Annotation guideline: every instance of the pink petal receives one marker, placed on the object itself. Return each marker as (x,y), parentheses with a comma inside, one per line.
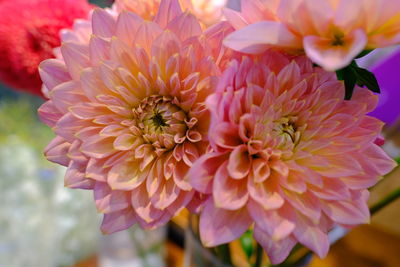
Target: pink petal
(76,58)
(229,194)
(379,159)
(311,236)
(265,193)
(235,18)
(168,10)
(306,203)
(98,146)
(257,37)
(166,194)
(56,151)
(348,212)
(75,177)
(239,162)
(118,221)
(53,72)
(185,26)
(271,221)
(97,170)
(143,207)
(126,176)
(333,189)
(103,23)
(108,200)
(219,226)
(49,114)
(127,25)
(277,251)
(201,174)
(226,135)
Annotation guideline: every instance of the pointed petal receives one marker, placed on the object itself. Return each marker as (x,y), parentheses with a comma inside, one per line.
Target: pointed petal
(257,37)
(219,226)
(201,174)
(277,251)
(108,200)
(229,193)
(118,221)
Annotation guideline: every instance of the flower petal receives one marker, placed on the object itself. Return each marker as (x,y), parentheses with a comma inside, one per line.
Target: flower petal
(257,37)
(219,226)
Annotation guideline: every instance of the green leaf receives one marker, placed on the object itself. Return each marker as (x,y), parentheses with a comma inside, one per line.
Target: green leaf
(246,240)
(368,79)
(350,79)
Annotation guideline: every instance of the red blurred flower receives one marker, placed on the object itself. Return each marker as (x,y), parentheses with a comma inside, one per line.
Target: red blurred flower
(29,30)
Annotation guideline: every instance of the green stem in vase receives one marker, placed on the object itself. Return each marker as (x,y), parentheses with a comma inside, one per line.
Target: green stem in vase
(259,256)
(224,254)
(386,201)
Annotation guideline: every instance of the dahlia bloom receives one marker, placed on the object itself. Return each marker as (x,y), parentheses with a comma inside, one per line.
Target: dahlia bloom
(209,12)
(127,105)
(29,30)
(332,33)
(288,155)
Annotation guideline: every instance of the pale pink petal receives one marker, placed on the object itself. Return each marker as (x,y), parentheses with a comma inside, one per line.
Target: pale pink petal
(143,207)
(56,151)
(229,194)
(103,23)
(127,25)
(239,162)
(271,221)
(118,221)
(202,172)
(168,10)
(348,212)
(265,193)
(53,72)
(311,236)
(257,37)
(219,226)
(76,58)
(277,251)
(185,26)
(108,200)
(75,177)
(126,176)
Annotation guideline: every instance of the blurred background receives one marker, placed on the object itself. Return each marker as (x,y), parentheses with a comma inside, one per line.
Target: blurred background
(46,225)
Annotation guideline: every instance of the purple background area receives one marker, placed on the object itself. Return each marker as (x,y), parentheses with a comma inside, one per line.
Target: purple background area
(388,74)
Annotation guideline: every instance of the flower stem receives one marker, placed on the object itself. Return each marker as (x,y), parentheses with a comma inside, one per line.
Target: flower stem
(259,256)
(386,201)
(224,254)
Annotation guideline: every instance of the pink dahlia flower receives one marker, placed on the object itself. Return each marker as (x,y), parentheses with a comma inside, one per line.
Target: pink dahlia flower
(289,155)
(29,30)
(209,12)
(128,110)
(332,33)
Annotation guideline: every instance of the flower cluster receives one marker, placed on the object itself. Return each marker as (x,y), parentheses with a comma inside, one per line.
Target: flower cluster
(332,33)
(154,115)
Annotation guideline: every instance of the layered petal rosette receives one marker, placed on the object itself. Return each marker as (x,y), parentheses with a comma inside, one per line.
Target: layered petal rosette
(289,156)
(127,105)
(332,33)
